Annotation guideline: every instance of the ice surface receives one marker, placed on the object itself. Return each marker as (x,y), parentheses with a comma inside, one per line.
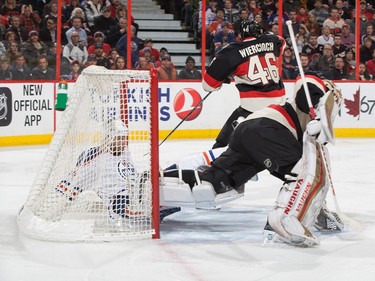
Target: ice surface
(198,245)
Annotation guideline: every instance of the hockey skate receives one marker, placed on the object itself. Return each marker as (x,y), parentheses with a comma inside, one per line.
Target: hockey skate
(328,221)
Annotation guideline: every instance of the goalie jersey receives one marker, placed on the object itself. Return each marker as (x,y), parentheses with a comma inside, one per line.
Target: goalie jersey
(253,62)
(104,173)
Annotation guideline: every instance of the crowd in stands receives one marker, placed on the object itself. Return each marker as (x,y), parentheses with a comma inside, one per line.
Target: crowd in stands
(324,32)
(95,32)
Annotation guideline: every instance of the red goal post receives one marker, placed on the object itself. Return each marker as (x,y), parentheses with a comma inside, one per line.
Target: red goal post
(99,180)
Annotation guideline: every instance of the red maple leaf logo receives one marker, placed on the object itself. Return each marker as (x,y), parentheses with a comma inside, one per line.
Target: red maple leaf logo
(353,105)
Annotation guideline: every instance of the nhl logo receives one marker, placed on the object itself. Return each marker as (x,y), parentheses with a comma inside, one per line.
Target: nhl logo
(267,163)
(5,106)
(185,101)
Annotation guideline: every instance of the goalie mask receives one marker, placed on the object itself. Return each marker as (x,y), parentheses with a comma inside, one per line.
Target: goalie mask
(316,87)
(116,136)
(250,29)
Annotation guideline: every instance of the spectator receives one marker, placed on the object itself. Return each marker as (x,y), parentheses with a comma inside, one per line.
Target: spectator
(20,31)
(13,49)
(312,24)
(320,13)
(32,48)
(165,70)
(302,15)
(68,9)
(313,49)
(10,8)
(48,33)
(113,5)
(92,10)
(334,21)
(305,63)
(122,46)
(120,63)
(275,29)
(122,12)
(215,27)
(78,12)
(338,48)
(91,60)
(366,50)
(51,57)
(325,63)
(29,19)
(99,38)
(77,26)
(339,72)
(163,51)
(347,38)
(116,32)
(190,72)
(154,52)
(350,61)
(42,71)
(223,37)
(19,69)
(104,21)
(326,37)
(146,52)
(9,37)
(369,33)
(295,26)
(270,18)
(5,73)
(290,68)
(75,51)
(364,11)
(253,9)
(363,73)
(113,55)
(230,14)
(291,5)
(143,63)
(2,49)
(3,26)
(101,57)
(75,70)
(267,5)
(302,37)
(51,10)
(343,13)
(370,64)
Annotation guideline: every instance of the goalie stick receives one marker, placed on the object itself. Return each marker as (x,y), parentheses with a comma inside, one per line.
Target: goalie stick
(348,222)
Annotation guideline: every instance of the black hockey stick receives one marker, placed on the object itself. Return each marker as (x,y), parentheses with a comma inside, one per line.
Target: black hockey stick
(186,117)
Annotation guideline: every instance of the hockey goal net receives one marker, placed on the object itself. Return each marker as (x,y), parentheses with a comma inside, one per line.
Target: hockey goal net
(99,178)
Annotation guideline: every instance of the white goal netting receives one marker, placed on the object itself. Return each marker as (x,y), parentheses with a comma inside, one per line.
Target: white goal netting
(95,181)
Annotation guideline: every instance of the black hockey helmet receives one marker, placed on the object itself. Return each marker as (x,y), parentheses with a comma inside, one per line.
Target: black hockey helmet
(251,29)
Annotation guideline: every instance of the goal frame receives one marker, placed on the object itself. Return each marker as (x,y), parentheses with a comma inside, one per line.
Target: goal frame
(29,221)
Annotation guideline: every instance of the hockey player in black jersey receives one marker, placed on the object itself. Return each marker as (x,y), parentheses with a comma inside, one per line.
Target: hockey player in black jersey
(253,64)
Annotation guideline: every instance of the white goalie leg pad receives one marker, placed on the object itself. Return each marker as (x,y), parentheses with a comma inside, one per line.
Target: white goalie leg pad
(206,197)
(175,192)
(299,202)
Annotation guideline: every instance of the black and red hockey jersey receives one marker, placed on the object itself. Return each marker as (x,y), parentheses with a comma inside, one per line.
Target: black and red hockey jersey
(253,63)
